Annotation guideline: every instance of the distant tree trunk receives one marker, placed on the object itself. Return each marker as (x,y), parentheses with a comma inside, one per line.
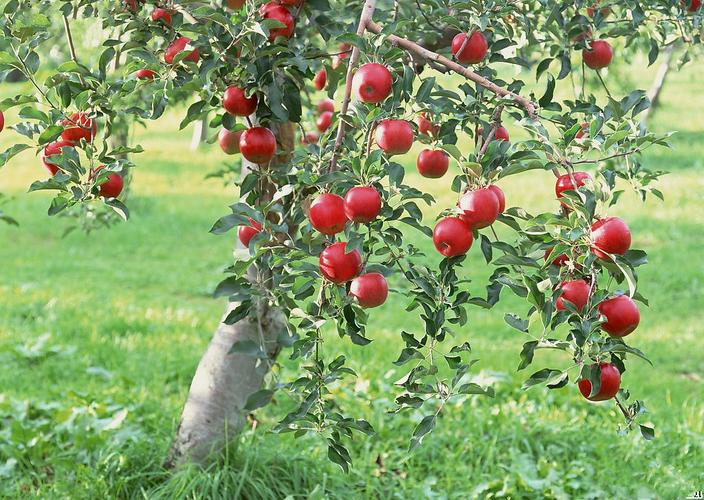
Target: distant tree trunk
(200,133)
(658,83)
(214,411)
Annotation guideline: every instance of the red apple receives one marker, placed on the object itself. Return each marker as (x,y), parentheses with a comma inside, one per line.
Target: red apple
(599,55)
(452,237)
(432,163)
(557,261)
(327,214)
(2,121)
(474,50)
(427,127)
(693,5)
(345,50)
(326,105)
(480,208)
(574,291)
(236,102)
(339,266)
(177,46)
(565,183)
(622,315)
(133,5)
(112,187)
(309,138)
(246,233)
(273,10)
(321,78)
(229,141)
(324,121)
(395,137)
(501,134)
(258,145)
(79,126)
(145,74)
(370,289)
(610,236)
(499,196)
(163,15)
(584,128)
(610,383)
(372,83)
(54,148)
(362,204)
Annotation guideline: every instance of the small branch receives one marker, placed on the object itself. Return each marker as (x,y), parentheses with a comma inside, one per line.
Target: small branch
(413,47)
(495,124)
(71,47)
(611,157)
(427,19)
(364,19)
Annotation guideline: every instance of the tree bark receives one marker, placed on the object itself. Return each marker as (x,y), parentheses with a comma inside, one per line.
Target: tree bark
(214,412)
(658,83)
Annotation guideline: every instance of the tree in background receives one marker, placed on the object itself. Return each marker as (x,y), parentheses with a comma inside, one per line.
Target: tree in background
(321,214)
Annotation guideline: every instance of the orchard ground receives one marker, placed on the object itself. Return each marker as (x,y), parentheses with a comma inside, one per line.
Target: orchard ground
(91,326)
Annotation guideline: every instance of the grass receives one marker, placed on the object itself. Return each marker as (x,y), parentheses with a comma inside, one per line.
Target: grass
(100,335)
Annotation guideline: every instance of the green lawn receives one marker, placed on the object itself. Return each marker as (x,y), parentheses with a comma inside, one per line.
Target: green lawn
(123,316)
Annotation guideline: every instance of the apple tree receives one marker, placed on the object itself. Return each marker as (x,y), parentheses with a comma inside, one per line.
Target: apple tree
(324,211)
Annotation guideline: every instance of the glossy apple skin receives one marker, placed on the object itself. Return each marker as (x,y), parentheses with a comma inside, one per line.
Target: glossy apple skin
(340,266)
(557,261)
(370,290)
(480,208)
(372,83)
(599,56)
(79,126)
(500,196)
(236,102)
(324,121)
(564,183)
(622,316)
(177,46)
(327,214)
(452,237)
(610,383)
(54,148)
(2,121)
(273,10)
(258,145)
(576,292)
(427,127)
(610,235)
(320,79)
(310,138)
(112,187)
(326,105)
(145,74)
(229,141)
(474,51)
(362,204)
(395,137)
(432,163)
(163,15)
(246,233)
(501,134)
(694,5)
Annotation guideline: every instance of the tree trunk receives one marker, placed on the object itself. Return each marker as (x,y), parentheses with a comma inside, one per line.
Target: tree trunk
(214,412)
(658,83)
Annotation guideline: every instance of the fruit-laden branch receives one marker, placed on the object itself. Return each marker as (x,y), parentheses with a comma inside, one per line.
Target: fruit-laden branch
(364,19)
(429,55)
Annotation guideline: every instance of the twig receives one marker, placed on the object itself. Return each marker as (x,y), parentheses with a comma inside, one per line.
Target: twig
(611,157)
(71,47)
(427,19)
(495,123)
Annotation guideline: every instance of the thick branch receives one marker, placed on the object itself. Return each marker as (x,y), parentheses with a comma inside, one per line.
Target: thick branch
(414,48)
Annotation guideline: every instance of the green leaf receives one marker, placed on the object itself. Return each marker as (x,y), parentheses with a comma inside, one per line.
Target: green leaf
(258,399)
(422,429)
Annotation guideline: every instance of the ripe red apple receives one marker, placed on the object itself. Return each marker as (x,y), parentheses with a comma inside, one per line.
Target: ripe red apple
(499,196)
(557,261)
(480,208)
(622,315)
(145,74)
(340,266)
(177,46)
(564,183)
(610,383)
(258,145)
(112,187)
(395,137)
(610,236)
(432,163)
(501,134)
(427,127)
(163,15)
(54,148)
(321,78)
(474,50)
(229,141)
(327,214)
(309,138)
(235,4)
(324,121)
(246,233)
(345,50)
(133,5)
(273,10)
(693,5)
(326,105)
(452,237)
(574,291)
(236,102)
(79,126)
(2,121)
(584,128)
(372,83)
(370,289)
(362,204)
(599,54)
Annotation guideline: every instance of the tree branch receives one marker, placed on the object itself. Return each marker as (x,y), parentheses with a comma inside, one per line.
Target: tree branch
(71,46)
